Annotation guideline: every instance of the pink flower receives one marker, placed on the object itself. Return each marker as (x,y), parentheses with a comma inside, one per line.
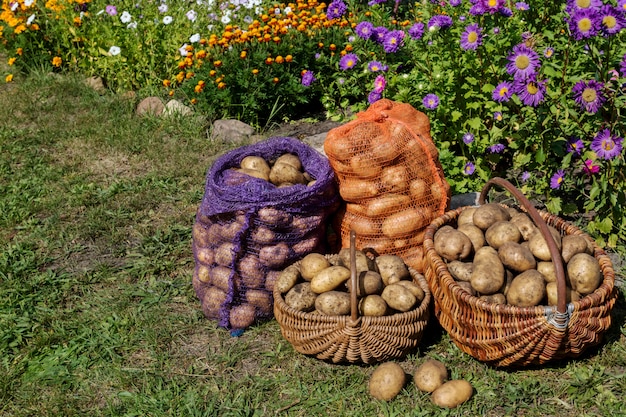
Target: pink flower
(590,168)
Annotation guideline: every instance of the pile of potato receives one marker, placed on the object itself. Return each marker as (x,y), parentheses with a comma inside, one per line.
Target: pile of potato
(499,255)
(285,171)
(322,284)
(431,377)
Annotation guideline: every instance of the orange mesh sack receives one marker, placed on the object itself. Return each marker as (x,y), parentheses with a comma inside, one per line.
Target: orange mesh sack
(390,178)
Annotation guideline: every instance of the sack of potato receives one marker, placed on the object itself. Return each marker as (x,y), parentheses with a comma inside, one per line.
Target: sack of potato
(265,206)
(352,307)
(517,287)
(390,177)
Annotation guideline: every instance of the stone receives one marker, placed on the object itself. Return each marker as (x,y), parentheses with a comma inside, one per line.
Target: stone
(316,142)
(97,84)
(150,106)
(176,108)
(231,130)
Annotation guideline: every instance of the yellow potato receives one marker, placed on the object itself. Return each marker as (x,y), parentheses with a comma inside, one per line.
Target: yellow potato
(329,279)
(287,279)
(452,245)
(285,173)
(528,289)
(387,381)
(488,272)
(312,264)
(373,305)
(398,297)
(289,159)
(405,222)
(333,303)
(573,244)
(584,273)
(452,393)
(392,268)
(487,214)
(430,375)
(415,289)
(500,232)
(394,179)
(301,298)
(256,163)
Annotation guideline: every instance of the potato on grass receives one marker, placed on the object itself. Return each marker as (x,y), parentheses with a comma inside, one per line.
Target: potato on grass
(430,375)
(452,393)
(387,381)
(212,302)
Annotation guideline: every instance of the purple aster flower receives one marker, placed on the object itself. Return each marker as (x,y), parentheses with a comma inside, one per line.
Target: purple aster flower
(471,37)
(455,3)
(497,148)
(621,4)
(336,9)
(497,116)
(431,101)
(468,138)
(525,176)
(589,95)
(502,92)
(375,66)
(605,145)
(416,31)
(557,179)
(584,24)
(111,10)
(374,2)
(520,5)
(480,7)
(373,97)
(506,12)
(574,5)
(531,91)
(622,65)
(523,62)
(393,40)
(469,168)
(548,52)
(307,78)
(379,84)
(496,30)
(611,20)
(379,33)
(348,61)
(364,30)
(575,145)
(439,21)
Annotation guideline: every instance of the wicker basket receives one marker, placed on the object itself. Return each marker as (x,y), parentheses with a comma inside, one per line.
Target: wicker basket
(505,335)
(354,338)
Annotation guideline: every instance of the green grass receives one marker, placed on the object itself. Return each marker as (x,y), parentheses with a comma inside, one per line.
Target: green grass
(98,316)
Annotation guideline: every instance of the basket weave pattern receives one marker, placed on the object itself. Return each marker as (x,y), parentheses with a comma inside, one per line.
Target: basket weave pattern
(505,335)
(363,339)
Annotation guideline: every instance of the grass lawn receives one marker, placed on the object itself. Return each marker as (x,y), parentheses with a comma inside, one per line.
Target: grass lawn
(98,316)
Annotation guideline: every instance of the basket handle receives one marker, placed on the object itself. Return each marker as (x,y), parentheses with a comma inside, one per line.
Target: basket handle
(354,308)
(555,253)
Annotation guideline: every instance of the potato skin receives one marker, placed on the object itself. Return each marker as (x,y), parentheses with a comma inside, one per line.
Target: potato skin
(398,297)
(403,223)
(392,268)
(312,264)
(461,271)
(373,305)
(329,279)
(475,235)
(242,316)
(333,303)
(488,214)
(516,257)
(452,393)
(301,298)
(524,224)
(571,245)
(430,375)
(452,245)
(387,381)
(500,232)
(584,273)
(287,279)
(488,272)
(527,289)
(539,247)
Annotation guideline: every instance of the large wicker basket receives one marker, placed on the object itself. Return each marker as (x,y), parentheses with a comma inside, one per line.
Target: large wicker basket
(354,338)
(505,335)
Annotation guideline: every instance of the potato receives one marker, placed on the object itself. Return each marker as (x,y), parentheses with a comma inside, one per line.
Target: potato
(452,393)
(387,381)
(333,303)
(363,262)
(368,282)
(466,217)
(439,191)
(539,247)
(251,271)
(307,245)
(394,179)
(392,268)
(553,296)
(398,297)
(461,271)
(285,173)
(270,280)
(300,297)
(418,188)
(452,245)
(475,235)
(500,232)
(256,163)
(312,264)
(362,225)
(212,302)
(430,375)
(225,254)
(465,285)
(272,216)
(386,204)
(364,166)
(584,273)
(230,231)
(546,268)
(487,214)
(205,255)
(415,289)
(385,149)
(274,256)
(220,277)
(528,289)
(573,244)
(373,305)
(516,257)
(508,279)
(353,190)
(405,222)
(497,298)
(242,316)
(200,235)
(263,235)
(329,279)
(203,273)
(287,279)
(488,272)
(289,159)
(253,173)
(524,224)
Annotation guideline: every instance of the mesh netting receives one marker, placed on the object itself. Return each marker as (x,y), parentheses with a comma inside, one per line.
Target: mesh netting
(390,177)
(247,230)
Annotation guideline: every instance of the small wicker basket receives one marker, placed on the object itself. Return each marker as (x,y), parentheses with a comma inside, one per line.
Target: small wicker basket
(505,335)
(354,338)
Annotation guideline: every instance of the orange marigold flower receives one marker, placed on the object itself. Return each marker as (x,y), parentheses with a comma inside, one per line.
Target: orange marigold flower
(279,59)
(12,61)
(255,71)
(198,89)
(34,27)
(288,58)
(243,54)
(182,64)
(201,54)
(57,61)
(203,41)
(77,21)
(171,93)
(19,29)
(349,48)
(332,47)
(217,63)
(19,51)
(189,75)
(212,73)
(221,86)
(269,60)
(320,45)
(167,83)
(194,101)
(275,80)
(180,77)
(368,13)
(8,78)
(276,39)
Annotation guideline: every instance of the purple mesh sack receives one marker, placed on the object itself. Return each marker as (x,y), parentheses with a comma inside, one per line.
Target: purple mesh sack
(247,231)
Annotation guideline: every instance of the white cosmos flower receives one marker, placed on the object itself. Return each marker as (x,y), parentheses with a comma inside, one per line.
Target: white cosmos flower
(162,8)
(183,50)
(125,17)
(30,19)
(114,50)
(194,38)
(167,20)
(191,15)
(225,19)
(132,25)
(28,3)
